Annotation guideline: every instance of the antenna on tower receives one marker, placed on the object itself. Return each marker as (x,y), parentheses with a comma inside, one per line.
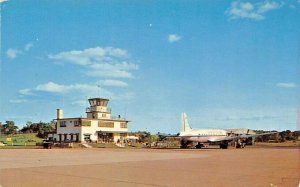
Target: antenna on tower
(125,112)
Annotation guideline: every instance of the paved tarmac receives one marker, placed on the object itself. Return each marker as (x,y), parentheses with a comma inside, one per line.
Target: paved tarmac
(150,167)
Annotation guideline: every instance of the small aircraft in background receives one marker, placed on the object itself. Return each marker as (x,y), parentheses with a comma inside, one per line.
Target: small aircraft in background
(188,136)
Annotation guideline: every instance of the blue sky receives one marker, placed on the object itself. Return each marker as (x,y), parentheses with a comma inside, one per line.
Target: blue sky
(227,64)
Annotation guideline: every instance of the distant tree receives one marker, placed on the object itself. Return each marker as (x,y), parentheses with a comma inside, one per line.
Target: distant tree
(9,128)
(41,128)
(286,135)
(27,128)
(265,138)
(144,136)
(296,135)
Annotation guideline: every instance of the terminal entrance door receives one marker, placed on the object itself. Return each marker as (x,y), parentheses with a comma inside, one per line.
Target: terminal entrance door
(105,137)
(87,137)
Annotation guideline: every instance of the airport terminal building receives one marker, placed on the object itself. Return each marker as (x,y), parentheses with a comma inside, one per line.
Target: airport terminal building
(98,126)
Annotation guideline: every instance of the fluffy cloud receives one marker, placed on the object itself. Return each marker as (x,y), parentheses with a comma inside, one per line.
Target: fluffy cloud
(286,85)
(25,92)
(99,62)
(114,70)
(173,38)
(248,10)
(53,87)
(61,88)
(267,6)
(89,56)
(13,53)
(2,1)
(90,89)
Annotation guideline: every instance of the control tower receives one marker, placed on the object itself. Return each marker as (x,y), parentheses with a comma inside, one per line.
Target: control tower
(98,109)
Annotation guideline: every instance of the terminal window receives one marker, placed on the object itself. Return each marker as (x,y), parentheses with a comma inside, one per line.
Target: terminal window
(62,124)
(123,125)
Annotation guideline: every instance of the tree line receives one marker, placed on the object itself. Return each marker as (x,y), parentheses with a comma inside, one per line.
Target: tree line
(282,136)
(40,128)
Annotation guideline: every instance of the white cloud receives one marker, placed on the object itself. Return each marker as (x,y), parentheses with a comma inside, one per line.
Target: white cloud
(89,56)
(61,88)
(239,10)
(267,6)
(13,53)
(74,93)
(247,6)
(25,92)
(114,83)
(52,87)
(99,61)
(2,1)
(173,38)
(28,46)
(286,85)
(115,70)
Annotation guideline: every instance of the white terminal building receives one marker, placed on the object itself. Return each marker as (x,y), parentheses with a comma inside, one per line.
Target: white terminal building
(98,126)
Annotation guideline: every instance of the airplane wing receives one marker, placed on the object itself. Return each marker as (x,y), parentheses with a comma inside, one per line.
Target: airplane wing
(230,138)
(255,135)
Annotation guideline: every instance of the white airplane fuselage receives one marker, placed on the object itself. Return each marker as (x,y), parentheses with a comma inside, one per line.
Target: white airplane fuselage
(203,135)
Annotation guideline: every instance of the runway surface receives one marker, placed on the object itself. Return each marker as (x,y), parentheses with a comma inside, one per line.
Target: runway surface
(150,167)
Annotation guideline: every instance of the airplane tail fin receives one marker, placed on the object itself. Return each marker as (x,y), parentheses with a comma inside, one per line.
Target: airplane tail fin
(184,123)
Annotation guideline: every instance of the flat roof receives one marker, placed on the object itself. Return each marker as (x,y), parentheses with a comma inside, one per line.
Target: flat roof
(98,98)
(94,119)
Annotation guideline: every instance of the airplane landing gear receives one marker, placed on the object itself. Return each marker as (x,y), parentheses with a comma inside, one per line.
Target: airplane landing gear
(224,145)
(184,144)
(199,145)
